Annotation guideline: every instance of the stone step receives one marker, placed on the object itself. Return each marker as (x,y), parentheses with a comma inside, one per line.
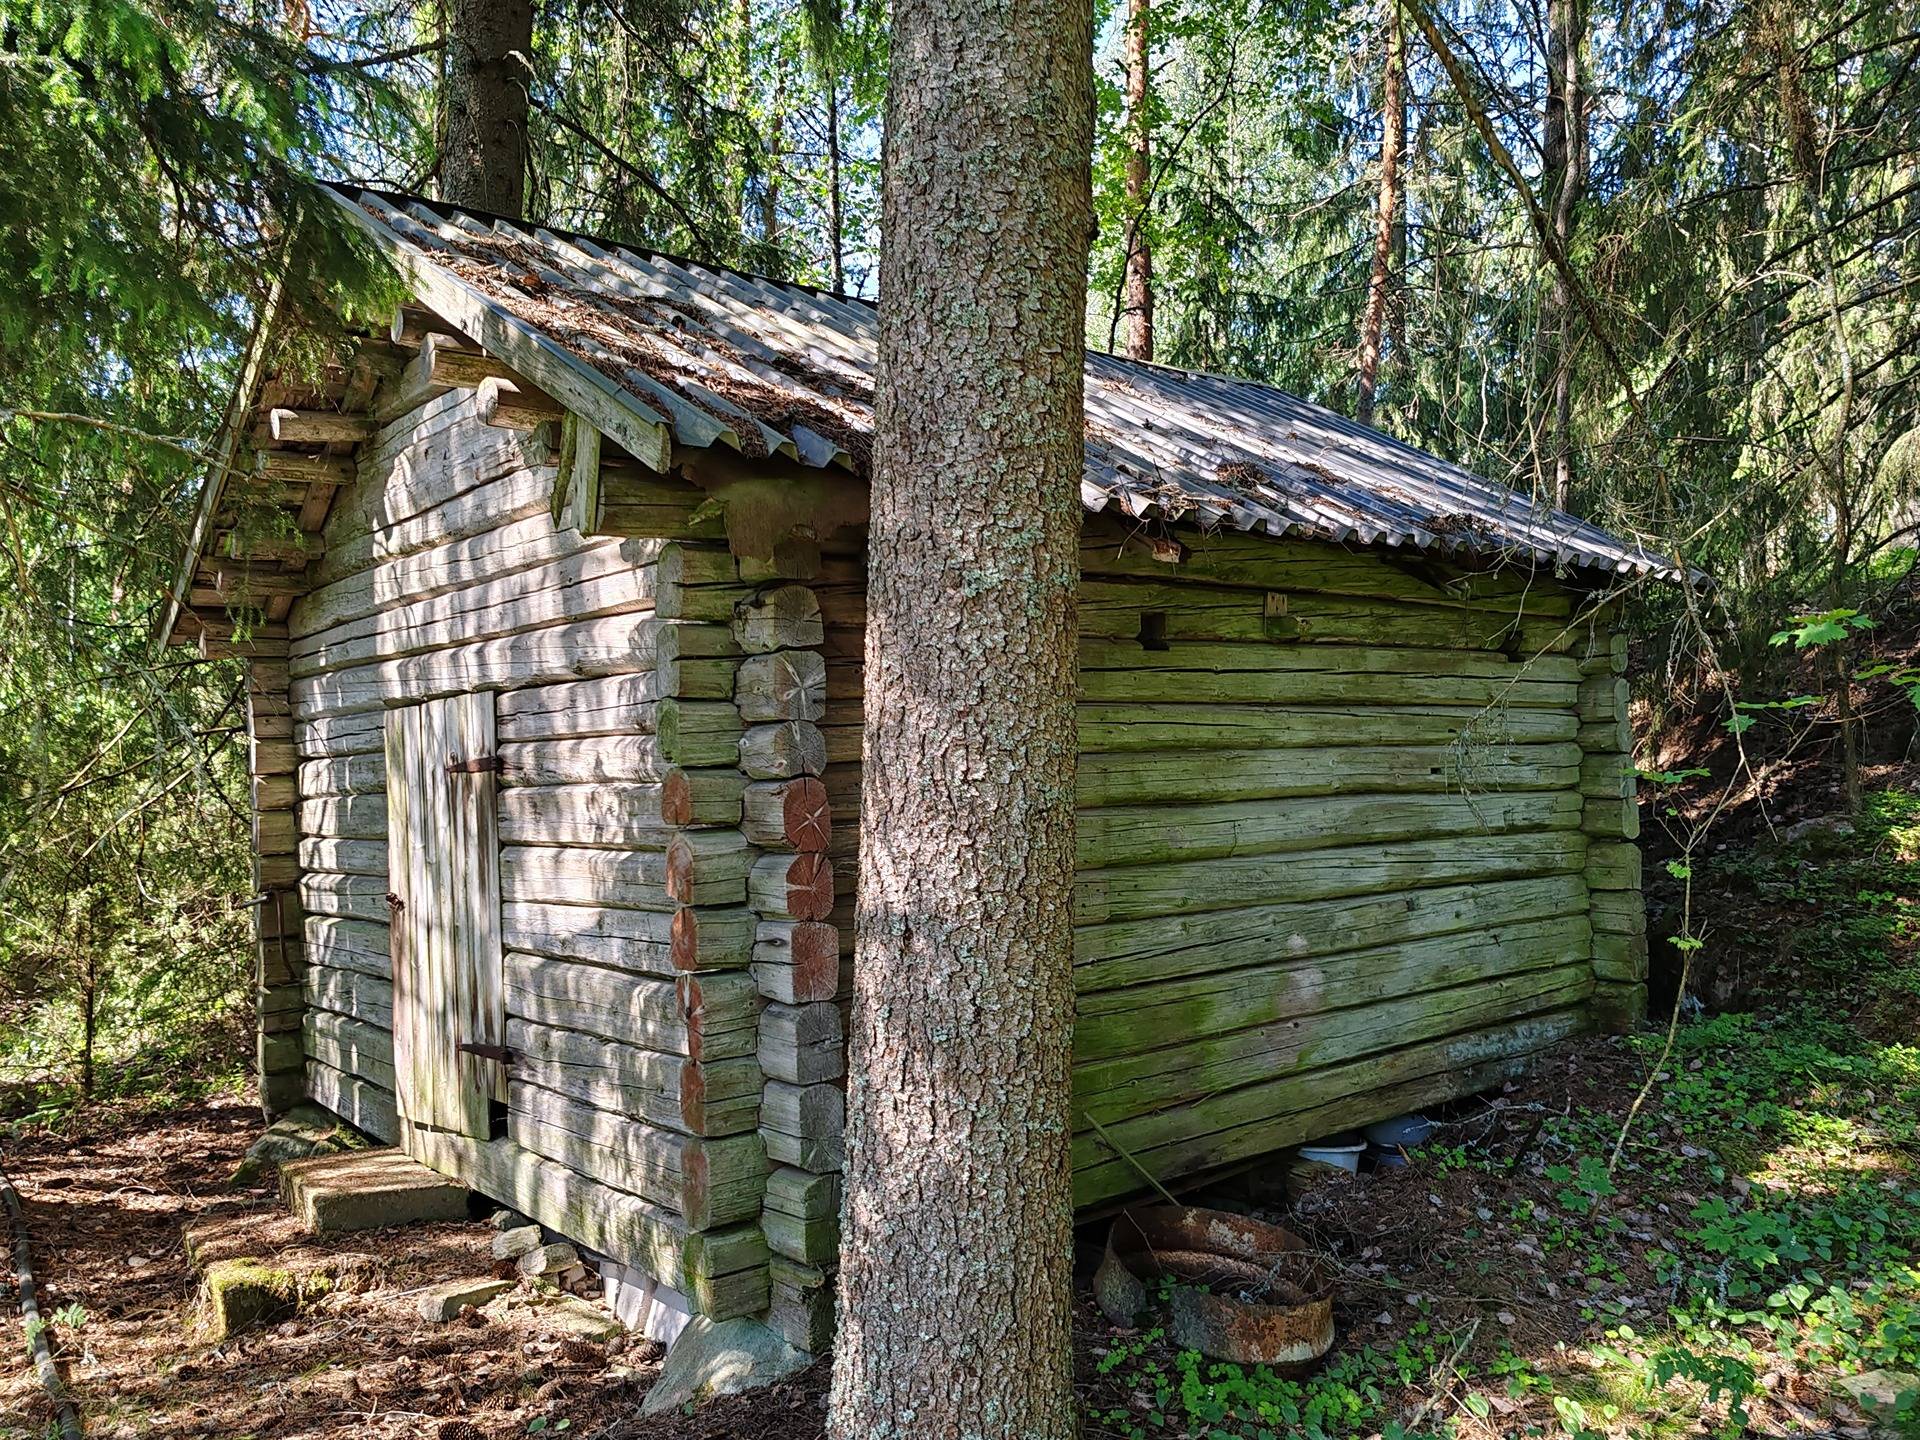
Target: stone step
(368,1190)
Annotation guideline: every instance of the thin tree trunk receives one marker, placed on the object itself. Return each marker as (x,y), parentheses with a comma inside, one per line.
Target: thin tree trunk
(1564,149)
(89,1012)
(1399,292)
(1139,303)
(776,140)
(836,237)
(955,1282)
(742,97)
(1393,113)
(1804,152)
(483,163)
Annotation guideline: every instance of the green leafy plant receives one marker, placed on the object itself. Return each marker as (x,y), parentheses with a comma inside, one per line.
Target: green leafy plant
(1809,631)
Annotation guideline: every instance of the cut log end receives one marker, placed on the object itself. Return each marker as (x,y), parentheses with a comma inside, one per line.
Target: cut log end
(696,1188)
(695,944)
(680,861)
(789,814)
(508,405)
(808,816)
(784,685)
(693,1096)
(809,886)
(797,962)
(690,991)
(676,799)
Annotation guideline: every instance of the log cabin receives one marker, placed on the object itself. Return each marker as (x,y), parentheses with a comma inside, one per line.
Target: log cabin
(551,605)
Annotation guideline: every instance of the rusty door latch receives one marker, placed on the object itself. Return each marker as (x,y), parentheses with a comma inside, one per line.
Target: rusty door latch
(478,765)
(484,1051)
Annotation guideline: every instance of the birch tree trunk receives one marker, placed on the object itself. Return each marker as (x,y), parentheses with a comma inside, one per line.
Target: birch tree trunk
(1393,129)
(483,162)
(1139,303)
(955,1280)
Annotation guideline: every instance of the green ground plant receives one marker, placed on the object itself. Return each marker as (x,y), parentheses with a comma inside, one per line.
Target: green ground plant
(1766,1198)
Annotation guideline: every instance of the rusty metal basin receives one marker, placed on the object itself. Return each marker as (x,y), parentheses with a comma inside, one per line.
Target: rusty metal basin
(1241,1289)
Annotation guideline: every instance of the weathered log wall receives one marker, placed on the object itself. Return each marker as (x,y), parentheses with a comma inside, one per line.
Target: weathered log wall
(1610,816)
(1334,831)
(279,959)
(1353,837)
(780,695)
(633,1106)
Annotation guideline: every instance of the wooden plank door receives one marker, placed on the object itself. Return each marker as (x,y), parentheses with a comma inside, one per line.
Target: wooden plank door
(443,872)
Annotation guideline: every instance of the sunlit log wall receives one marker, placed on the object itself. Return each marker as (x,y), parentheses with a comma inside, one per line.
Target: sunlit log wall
(634,1096)
(781,695)
(1332,863)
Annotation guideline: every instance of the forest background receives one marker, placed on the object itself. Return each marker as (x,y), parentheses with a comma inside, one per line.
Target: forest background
(1655,261)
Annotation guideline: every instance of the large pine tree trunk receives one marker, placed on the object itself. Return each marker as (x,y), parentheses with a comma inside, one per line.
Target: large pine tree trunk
(484,161)
(1139,304)
(1393,130)
(955,1278)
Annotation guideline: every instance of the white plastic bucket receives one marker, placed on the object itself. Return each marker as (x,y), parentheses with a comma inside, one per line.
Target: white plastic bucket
(1341,1150)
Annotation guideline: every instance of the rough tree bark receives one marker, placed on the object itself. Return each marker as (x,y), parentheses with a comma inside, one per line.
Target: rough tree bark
(1389,231)
(955,1281)
(1139,301)
(483,162)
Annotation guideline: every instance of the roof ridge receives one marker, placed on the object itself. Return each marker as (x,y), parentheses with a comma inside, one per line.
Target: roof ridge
(400,198)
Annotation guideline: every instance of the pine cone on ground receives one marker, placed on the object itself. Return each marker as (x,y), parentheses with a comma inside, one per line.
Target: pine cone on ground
(459,1430)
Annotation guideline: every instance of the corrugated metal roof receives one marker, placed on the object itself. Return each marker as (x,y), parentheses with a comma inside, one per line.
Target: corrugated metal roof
(710,356)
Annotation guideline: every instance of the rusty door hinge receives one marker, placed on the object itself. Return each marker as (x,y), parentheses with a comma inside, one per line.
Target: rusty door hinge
(479,765)
(485,1051)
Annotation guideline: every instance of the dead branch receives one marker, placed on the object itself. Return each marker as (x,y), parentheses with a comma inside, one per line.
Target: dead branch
(36,1327)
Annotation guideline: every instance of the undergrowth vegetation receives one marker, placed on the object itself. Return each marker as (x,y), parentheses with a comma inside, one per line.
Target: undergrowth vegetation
(1758,1242)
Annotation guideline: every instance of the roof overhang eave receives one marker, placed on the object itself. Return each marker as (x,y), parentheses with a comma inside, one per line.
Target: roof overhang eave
(214,483)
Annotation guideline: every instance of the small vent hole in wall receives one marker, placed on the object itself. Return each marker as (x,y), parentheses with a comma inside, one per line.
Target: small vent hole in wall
(1153,629)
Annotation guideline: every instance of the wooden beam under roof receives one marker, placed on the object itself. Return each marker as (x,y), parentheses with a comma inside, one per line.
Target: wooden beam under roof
(517,405)
(414,324)
(318,427)
(297,466)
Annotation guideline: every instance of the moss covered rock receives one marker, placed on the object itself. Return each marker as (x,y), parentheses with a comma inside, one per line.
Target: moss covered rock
(303,1131)
(241,1294)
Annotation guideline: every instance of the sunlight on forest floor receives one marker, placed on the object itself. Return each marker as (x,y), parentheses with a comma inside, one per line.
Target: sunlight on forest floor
(1759,1241)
